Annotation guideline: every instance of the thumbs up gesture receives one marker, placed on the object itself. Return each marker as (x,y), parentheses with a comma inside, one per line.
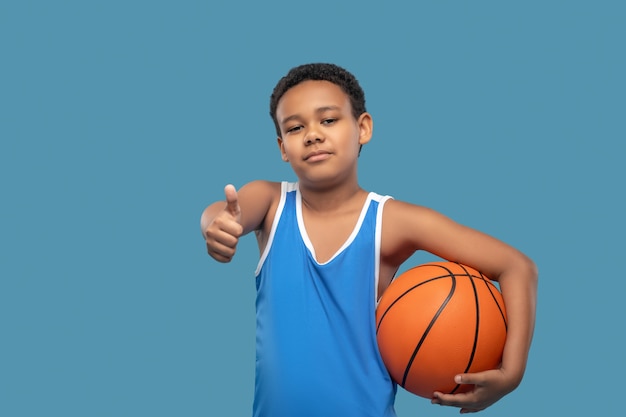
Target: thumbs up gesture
(232,202)
(224,231)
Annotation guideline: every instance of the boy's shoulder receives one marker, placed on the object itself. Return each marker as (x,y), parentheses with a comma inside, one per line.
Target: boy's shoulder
(258,200)
(261,193)
(398,207)
(262,187)
(402,220)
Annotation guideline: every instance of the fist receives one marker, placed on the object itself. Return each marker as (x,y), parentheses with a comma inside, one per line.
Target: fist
(224,231)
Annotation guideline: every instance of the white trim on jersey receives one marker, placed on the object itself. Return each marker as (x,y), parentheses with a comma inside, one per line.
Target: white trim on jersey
(353,234)
(285,187)
(378,242)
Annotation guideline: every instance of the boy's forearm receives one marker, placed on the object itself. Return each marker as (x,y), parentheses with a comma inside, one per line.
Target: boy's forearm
(519,290)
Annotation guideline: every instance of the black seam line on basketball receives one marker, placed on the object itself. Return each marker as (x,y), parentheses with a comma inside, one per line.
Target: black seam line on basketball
(476,328)
(491,288)
(405,293)
(449,274)
(430,325)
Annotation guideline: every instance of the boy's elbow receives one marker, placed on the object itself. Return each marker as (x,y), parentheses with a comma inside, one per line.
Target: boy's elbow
(532,266)
(530,269)
(521,266)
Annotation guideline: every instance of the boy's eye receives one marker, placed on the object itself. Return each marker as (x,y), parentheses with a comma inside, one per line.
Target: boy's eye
(328,121)
(294,129)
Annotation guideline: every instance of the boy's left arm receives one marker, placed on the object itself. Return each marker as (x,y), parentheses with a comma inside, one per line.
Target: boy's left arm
(425,229)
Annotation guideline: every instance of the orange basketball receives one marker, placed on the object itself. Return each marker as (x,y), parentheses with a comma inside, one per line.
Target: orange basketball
(438,320)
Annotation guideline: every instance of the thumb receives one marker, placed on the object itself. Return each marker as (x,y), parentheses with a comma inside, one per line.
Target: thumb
(232,201)
(469,379)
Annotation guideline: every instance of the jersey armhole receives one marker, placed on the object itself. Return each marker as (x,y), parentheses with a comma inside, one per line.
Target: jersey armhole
(285,187)
(378,242)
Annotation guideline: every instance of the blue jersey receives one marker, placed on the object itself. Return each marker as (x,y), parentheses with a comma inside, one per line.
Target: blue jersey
(317,353)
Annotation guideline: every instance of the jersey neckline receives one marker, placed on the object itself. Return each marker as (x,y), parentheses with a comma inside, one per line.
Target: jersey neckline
(346,243)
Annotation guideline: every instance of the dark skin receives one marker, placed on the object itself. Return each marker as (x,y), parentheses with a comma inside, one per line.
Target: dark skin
(321,139)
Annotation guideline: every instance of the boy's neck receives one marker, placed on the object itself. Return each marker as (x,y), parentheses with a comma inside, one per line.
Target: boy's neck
(331,200)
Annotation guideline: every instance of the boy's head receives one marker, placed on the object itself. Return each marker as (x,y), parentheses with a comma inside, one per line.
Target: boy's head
(319,72)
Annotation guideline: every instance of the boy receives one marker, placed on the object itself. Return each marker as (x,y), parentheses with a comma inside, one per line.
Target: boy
(329,249)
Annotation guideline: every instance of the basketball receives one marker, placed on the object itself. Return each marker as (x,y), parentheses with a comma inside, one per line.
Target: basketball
(438,320)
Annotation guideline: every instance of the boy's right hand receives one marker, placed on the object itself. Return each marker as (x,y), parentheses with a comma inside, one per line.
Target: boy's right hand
(224,231)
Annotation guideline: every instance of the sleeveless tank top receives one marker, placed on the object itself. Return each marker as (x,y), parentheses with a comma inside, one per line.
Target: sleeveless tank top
(316,349)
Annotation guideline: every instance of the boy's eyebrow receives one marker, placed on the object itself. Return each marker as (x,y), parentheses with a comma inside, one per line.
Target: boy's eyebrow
(318,111)
(326,108)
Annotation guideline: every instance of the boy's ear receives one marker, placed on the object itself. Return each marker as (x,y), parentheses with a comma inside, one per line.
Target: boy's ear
(281,146)
(366,127)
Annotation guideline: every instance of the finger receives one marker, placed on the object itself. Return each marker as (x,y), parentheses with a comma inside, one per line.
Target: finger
(455,400)
(469,379)
(228,236)
(223,228)
(464,402)
(232,200)
(218,256)
(469,402)
(220,252)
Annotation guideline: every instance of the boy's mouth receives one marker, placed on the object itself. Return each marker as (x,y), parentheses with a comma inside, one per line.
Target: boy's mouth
(317,155)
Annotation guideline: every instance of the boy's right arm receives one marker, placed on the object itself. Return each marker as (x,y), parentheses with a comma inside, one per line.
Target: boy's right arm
(224,222)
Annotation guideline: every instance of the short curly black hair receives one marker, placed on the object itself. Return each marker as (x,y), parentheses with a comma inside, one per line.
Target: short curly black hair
(319,72)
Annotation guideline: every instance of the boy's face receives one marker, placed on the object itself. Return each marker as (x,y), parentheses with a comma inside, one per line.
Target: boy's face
(320,137)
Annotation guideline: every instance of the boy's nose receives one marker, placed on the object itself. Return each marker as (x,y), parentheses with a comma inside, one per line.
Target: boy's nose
(313,136)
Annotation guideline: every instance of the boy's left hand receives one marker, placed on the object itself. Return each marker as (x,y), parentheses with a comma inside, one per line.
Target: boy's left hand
(489,387)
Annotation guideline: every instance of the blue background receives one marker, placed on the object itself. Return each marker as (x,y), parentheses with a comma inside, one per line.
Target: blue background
(120,121)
